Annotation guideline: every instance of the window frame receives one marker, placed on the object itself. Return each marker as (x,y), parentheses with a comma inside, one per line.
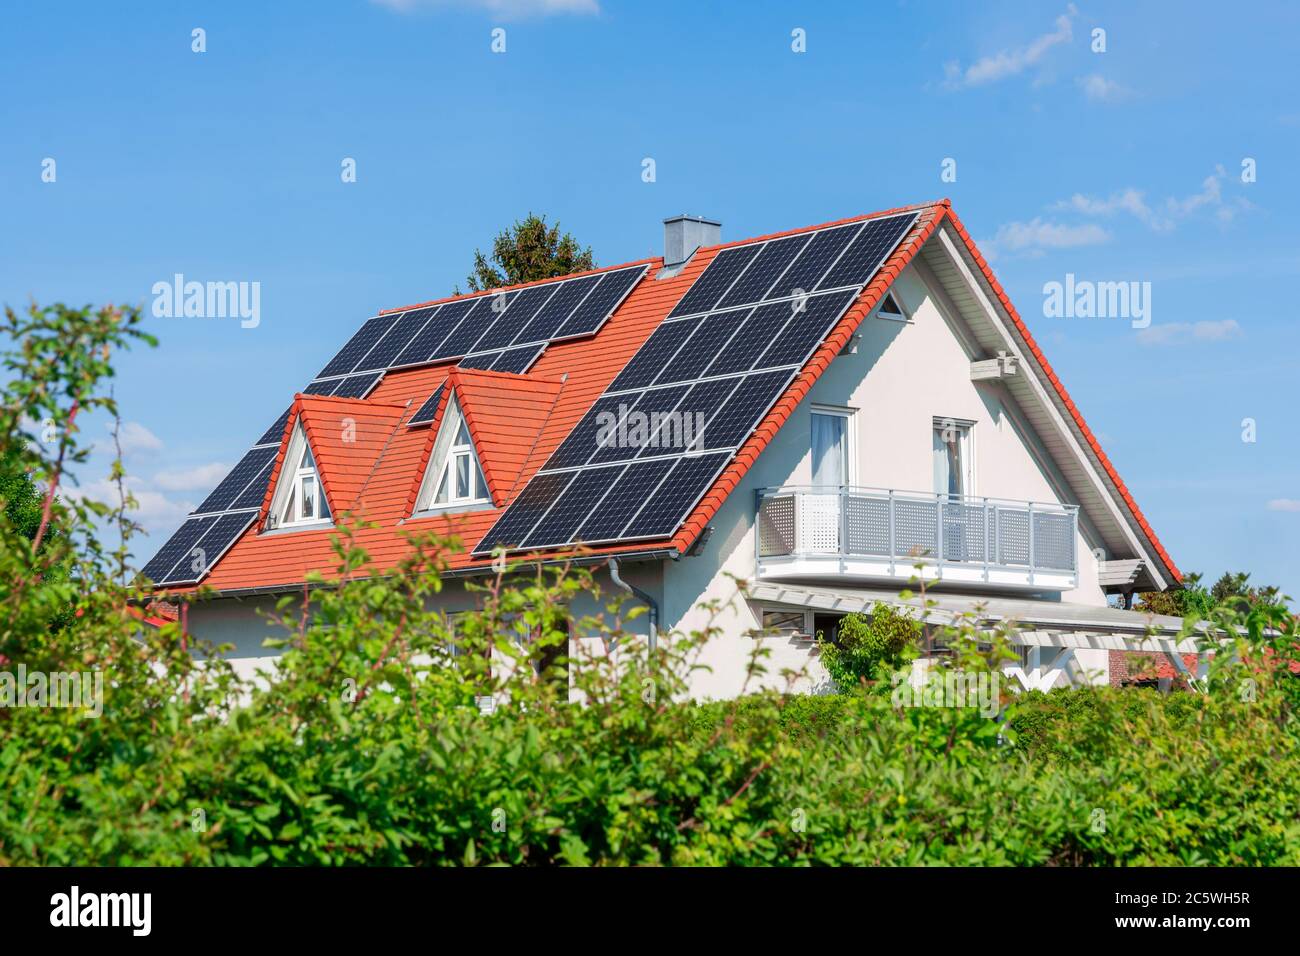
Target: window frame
(804,633)
(891,295)
(447,451)
(289,486)
(850,442)
(965,451)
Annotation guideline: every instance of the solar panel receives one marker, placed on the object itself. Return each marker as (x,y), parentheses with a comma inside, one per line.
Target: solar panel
(358,346)
(546,323)
(476,321)
(358,386)
(733,359)
(254,493)
(507,360)
(867,251)
(512,321)
(703,347)
(426,411)
(325,387)
(806,329)
(811,264)
(276,431)
(767,268)
(396,339)
(656,353)
(200,557)
(759,330)
(744,408)
(583,440)
(673,500)
(716,279)
(533,502)
(601,302)
(423,341)
(638,425)
(634,488)
(235,482)
(569,510)
(691,418)
(518,360)
(177,545)
(482,360)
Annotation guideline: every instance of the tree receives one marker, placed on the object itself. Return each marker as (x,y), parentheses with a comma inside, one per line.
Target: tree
(527,251)
(1193,598)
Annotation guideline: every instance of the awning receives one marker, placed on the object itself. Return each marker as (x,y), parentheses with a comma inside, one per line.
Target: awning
(1037,623)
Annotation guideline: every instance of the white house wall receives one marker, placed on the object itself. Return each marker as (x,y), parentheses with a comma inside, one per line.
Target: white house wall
(247,623)
(901,377)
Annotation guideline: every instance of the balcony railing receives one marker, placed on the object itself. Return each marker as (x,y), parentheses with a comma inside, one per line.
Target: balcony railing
(879,533)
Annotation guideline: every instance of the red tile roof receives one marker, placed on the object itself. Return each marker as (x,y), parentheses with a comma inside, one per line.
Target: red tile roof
(518,420)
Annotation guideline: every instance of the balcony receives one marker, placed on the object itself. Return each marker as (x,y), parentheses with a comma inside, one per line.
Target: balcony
(871,535)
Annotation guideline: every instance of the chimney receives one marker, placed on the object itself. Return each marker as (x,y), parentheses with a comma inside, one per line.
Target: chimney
(684,234)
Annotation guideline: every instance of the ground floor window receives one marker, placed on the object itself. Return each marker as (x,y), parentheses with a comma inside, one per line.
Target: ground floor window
(777,623)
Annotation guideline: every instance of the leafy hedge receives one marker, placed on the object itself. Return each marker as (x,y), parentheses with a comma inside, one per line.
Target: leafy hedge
(369,748)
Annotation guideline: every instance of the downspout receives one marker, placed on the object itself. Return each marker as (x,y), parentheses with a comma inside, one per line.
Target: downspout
(640,595)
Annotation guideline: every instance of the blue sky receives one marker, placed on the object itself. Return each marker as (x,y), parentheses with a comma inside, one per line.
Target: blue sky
(1123,165)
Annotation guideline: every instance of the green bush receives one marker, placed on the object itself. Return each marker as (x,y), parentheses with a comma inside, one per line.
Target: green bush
(369,749)
(869,645)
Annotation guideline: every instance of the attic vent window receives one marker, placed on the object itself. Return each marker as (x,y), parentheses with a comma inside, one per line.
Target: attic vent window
(890,309)
(455,479)
(305,503)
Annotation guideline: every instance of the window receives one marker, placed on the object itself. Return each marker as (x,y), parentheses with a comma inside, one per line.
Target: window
(952,465)
(890,308)
(306,502)
(831,458)
(454,479)
(784,623)
(299,495)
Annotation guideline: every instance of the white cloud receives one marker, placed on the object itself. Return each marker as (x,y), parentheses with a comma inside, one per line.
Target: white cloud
(1006,63)
(1164,216)
(1131,201)
(154,510)
(1284,504)
(1177,333)
(1033,238)
(508,9)
(198,478)
(133,437)
(1099,89)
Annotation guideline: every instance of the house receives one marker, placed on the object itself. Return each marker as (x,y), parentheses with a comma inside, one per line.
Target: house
(813,412)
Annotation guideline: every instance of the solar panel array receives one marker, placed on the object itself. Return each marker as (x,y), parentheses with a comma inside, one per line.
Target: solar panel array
(511,327)
(646,452)
(504,332)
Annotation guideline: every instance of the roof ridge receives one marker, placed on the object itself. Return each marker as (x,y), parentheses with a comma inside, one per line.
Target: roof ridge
(521,377)
(303,396)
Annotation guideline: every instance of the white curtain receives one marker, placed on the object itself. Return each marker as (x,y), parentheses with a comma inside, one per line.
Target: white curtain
(947,462)
(830,465)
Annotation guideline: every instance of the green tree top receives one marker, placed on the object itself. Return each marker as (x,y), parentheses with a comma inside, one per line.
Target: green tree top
(527,251)
(1194,598)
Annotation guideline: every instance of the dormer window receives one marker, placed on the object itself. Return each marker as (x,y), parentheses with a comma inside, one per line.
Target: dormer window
(454,480)
(306,503)
(299,495)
